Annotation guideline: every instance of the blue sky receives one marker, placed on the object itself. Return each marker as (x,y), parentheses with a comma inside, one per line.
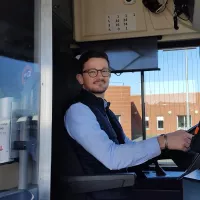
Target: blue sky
(172,75)
(170,79)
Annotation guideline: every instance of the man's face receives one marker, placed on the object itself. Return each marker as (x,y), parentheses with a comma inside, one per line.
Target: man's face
(98,84)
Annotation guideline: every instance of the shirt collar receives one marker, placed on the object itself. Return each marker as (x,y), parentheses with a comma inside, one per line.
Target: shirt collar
(106,104)
(88,96)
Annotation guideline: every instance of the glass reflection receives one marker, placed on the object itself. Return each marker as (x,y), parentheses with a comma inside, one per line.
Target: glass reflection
(19,95)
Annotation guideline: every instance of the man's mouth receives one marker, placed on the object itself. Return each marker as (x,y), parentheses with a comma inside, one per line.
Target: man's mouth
(99,82)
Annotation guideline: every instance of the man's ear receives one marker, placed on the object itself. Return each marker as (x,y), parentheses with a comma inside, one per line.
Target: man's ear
(79,78)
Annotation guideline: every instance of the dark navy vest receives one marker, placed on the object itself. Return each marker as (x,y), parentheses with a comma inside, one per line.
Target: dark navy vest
(108,122)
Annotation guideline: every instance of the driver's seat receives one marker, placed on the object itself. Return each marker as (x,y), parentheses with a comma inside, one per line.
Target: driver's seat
(68,178)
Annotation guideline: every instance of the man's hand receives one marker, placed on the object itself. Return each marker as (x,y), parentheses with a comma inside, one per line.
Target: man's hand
(178,140)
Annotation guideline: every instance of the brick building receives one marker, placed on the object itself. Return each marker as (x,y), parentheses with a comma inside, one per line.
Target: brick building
(120,99)
(164,112)
(167,112)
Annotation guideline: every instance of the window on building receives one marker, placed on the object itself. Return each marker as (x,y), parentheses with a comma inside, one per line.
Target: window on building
(147,122)
(118,117)
(160,123)
(182,122)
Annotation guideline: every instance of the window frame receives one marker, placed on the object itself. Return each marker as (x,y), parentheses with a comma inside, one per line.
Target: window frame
(147,120)
(118,117)
(159,118)
(185,125)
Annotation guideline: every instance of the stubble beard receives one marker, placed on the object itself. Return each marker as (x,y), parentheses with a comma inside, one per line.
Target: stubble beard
(99,90)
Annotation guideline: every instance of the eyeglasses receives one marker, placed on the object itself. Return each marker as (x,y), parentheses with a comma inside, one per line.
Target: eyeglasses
(94,72)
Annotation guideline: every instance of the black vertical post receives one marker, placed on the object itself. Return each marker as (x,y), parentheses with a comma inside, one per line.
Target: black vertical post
(143,106)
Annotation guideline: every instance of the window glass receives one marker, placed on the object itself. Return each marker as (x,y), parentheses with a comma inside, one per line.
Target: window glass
(118,117)
(172,93)
(19,90)
(182,122)
(160,123)
(147,122)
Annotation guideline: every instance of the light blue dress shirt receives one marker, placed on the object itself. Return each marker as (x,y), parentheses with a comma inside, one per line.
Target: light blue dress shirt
(82,126)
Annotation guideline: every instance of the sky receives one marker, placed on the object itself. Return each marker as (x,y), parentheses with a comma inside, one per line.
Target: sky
(171,78)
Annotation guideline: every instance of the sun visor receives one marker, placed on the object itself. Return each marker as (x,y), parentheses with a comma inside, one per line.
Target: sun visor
(128,55)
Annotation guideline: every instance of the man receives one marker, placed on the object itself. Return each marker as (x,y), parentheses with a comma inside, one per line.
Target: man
(96,134)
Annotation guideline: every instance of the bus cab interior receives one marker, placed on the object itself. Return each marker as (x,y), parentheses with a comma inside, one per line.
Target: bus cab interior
(41,42)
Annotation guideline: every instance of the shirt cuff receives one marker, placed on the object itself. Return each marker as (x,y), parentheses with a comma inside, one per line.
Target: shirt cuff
(153,147)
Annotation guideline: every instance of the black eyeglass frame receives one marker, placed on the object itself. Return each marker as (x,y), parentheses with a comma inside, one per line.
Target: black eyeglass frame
(97,71)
